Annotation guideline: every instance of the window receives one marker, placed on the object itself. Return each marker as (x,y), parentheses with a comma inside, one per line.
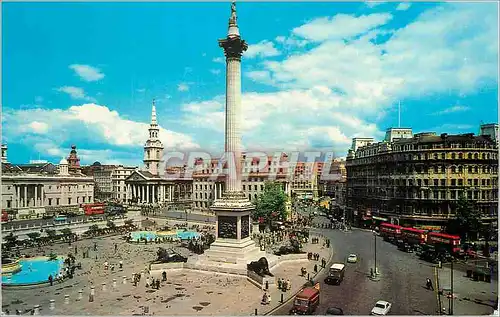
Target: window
(9,203)
(243,187)
(443,182)
(476,182)
(469,182)
(435,156)
(436,182)
(460,156)
(254,187)
(453,156)
(453,182)
(469,156)
(50,201)
(57,201)
(460,182)
(453,169)
(469,169)
(460,169)
(476,156)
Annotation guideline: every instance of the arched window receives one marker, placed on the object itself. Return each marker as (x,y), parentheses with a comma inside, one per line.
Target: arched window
(476,156)
(443,156)
(148,153)
(436,156)
(460,169)
(484,156)
(460,155)
(453,169)
(453,156)
(469,156)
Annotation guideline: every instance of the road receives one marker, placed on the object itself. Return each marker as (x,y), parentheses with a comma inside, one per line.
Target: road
(402,278)
(181,215)
(41,222)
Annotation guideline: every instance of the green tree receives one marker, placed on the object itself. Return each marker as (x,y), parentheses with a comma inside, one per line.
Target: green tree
(111,225)
(272,201)
(66,232)
(11,239)
(34,236)
(51,234)
(467,222)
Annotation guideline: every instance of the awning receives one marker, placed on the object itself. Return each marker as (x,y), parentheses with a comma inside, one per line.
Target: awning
(380,218)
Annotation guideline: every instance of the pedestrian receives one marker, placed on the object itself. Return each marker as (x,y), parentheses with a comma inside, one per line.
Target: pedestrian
(51,280)
(288,285)
(280,284)
(164,276)
(315,268)
(116,247)
(120,264)
(95,246)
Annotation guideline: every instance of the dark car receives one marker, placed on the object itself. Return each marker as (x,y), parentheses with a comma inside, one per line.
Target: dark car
(286,249)
(334,311)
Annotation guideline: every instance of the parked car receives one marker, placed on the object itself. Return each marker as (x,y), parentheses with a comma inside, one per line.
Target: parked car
(352,258)
(381,308)
(334,311)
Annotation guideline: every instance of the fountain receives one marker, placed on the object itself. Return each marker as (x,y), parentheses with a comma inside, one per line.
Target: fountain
(32,271)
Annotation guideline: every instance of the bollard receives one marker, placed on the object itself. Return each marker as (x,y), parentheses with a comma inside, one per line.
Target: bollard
(66,299)
(36,310)
(255,311)
(92,293)
(52,304)
(124,279)
(80,294)
(281,297)
(103,286)
(114,283)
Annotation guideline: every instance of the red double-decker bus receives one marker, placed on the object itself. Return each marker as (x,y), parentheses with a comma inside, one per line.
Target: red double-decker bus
(389,231)
(414,236)
(94,209)
(5,216)
(448,241)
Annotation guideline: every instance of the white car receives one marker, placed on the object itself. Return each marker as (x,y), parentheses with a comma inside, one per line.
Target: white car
(352,258)
(381,308)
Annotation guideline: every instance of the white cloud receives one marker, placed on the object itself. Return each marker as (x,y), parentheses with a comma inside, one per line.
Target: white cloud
(340,26)
(183,87)
(219,60)
(452,109)
(75,93)
(372,4)
(88,123)
(141,90)
(262,49)
(215,71)
(38,99)
(403,6)
(87,72)
(39,127)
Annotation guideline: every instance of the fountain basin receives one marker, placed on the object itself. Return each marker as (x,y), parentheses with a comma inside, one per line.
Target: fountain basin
(33,271)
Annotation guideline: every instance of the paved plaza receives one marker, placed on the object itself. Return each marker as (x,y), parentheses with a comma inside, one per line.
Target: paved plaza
(185,292)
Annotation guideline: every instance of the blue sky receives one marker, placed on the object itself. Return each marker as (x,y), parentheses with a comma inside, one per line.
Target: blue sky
(315,74)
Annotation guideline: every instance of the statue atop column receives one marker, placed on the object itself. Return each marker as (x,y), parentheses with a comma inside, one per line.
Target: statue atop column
(233,18)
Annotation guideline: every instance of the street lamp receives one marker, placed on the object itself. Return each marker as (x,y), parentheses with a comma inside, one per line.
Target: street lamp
(375,271)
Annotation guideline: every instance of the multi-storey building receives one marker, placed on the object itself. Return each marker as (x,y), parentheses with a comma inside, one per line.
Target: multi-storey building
(417,181)
(490,129)
(32,190)
(209,179)
(118,177)
(103,180)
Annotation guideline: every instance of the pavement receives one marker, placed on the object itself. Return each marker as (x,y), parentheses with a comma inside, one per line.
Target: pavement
(402,279)
(186,292)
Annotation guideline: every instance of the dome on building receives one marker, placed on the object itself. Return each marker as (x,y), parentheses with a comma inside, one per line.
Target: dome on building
(97,163)
(63,161)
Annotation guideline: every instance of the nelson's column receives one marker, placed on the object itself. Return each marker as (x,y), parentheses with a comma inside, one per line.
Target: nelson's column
(233,244)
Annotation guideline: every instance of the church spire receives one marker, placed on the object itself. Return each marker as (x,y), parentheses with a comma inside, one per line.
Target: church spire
(153,114)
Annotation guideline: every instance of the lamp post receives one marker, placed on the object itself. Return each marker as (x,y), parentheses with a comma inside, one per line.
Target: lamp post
(375,271)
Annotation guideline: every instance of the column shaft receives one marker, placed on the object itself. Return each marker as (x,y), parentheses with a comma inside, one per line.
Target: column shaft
(233,118)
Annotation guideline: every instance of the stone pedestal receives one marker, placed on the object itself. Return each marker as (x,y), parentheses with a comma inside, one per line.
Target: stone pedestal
(233,248)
